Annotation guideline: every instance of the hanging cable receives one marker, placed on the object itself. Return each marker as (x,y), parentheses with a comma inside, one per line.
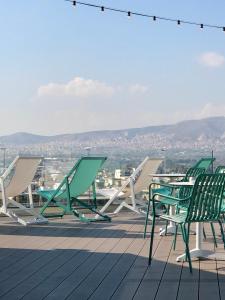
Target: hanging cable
(153,17)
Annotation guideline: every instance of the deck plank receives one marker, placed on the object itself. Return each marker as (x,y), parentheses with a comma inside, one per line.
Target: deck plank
(67,259)
(95,259)
(152,277)
(169,284)
(82,254)
(189,283)
(208,279)
(118,272)
(52,259)
(96,277)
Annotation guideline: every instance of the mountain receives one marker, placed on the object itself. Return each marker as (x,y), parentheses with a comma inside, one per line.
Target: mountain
(190,130)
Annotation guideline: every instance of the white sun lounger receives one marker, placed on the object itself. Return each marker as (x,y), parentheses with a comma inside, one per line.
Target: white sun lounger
(15,180)
(137,182)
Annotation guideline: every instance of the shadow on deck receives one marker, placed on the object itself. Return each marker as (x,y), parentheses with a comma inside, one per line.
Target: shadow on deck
(102,261)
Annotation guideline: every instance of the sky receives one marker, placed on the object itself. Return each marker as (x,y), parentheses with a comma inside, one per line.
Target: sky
(66,69)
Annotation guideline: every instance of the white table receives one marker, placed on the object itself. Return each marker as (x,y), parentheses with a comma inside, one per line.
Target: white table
(181,183)
(167,175)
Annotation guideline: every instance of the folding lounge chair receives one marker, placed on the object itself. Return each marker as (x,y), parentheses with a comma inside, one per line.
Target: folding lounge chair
(138,181)
(17,179)
(78,181)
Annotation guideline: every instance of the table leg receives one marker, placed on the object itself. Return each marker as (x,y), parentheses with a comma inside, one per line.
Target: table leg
(198,252)
(171,228)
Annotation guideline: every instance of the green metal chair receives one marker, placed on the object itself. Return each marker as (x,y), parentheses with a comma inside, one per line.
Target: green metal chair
(220,169)
(181,193)
(203,163)
(76,183)
(204,205)
(200,167)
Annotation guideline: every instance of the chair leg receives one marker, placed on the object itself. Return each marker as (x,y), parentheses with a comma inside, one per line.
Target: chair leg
(188,232)
(151,241)
(166,227)
(146,219)
(185,238)
(167,222)
(222,232)
(203,231)
(175,237)
(214,234)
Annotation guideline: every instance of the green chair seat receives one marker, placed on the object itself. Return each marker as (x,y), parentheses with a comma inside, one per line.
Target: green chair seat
(177,218)
(47,194)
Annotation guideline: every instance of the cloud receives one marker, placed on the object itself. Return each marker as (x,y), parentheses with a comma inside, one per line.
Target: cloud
(212,59)
(138,89)
(211,110)
(77,87)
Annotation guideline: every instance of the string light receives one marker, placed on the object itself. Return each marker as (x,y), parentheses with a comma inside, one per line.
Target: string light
(129,13)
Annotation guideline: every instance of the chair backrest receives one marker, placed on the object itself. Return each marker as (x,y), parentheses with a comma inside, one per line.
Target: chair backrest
(82,175)
(19,175)
(206,198)
(204,162)
(220,169)
(142,178)
(185,191)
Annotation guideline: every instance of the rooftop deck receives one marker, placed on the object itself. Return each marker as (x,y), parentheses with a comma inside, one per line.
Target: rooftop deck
(67,259)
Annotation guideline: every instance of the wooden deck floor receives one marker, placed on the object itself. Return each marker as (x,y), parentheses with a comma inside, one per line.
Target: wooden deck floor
(67,259)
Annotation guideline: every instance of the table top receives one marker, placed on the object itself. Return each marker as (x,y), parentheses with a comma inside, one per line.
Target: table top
(182,183)
(168,175)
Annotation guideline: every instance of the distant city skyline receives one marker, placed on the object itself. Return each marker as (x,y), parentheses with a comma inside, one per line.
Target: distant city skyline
(68,70)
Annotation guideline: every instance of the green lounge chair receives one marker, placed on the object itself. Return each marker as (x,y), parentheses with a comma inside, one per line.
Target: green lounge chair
(204,205)
(76,183)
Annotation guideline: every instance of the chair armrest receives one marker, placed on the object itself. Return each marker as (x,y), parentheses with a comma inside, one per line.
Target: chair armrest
(178,200)
(161,184)
(154,201)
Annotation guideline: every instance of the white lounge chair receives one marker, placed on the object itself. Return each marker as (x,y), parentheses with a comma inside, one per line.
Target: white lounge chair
(15,180)
(138,181)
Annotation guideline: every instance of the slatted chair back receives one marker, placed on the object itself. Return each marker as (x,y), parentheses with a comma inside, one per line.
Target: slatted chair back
(185,191)
(220,169)
(206,198)
(204,162)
